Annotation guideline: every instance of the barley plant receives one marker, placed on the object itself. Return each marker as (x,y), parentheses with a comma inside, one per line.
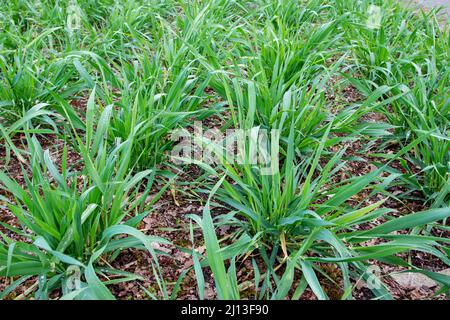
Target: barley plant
(316,149)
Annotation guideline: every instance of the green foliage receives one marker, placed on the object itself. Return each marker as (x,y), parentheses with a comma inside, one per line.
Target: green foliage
(115,83)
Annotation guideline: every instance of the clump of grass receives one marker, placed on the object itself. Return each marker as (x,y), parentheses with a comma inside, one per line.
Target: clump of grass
(424,112)
(70,220)
(26,83)
(157,66)
(415,66)
(159,102)
(328,235)
(304,217)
